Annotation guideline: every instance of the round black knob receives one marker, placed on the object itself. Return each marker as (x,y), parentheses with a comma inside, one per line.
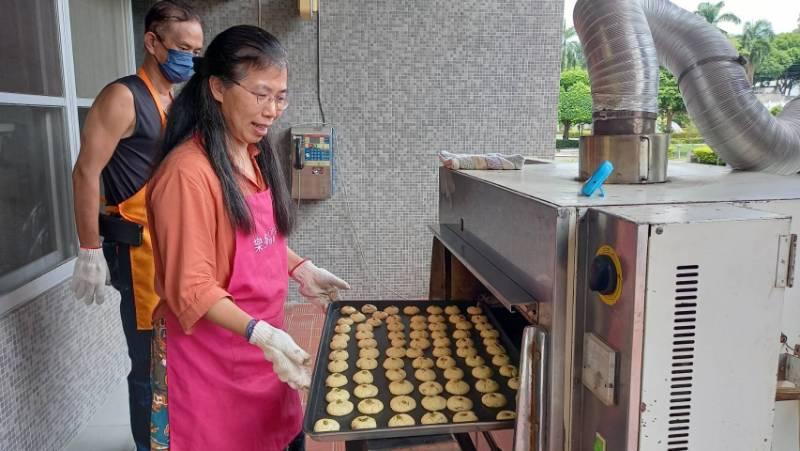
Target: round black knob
(603,275)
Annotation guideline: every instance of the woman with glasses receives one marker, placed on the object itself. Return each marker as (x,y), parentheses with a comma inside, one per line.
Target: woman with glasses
(220,213)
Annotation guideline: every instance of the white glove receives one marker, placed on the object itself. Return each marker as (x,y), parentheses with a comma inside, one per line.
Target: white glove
(317,285)
(289,361)
(89,277)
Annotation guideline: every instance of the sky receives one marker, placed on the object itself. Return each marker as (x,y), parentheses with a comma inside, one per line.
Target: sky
(782,14)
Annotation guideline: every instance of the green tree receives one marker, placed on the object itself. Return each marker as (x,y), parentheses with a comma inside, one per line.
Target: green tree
(574,106)
(570,77)
(755,44)
(571,50)
(782,63)
(711,13)
(670,100)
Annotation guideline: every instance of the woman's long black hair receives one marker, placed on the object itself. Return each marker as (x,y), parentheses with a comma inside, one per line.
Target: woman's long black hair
(195,112)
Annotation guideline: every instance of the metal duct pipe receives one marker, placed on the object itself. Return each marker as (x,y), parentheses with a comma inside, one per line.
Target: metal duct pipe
(711,78)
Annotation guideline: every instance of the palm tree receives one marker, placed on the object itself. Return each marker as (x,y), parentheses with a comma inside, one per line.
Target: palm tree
(711,13)
(755,44)
(571,51)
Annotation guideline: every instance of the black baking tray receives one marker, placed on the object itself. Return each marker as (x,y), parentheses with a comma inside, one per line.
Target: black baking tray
(316,405)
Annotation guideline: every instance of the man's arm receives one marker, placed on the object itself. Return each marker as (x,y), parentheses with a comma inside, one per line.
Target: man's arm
(111,118)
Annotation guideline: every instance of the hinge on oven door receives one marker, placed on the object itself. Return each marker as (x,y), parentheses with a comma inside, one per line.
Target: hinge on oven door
(787,251)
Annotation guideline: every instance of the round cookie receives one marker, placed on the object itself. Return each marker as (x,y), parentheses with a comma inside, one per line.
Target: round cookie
(340,337)
(363,377)
(374,322)
(402,404)
(434,403)
(342,329)
(337,393)
(454,373)
(417,334)
(367,364)
(418,326)
(368,309)
(424,375)
(403,387)
(336,380)
(413,353)
(368,353)
(348,310)
(434,418)
(506,415)
(455,319)
(445,362)
(380,315)
(401,419)
(326,425)
(437,334)
(483,326)
(422,362)
(365,391)
(464,417)
(398,342)
(395,353)
(441,342)
(344,320)
(489,333)
(437,327)
(500,360)
(393,363)
(464,325)
(337,366)
(358,317)
(367,343)
(465,352)
(338,355)
(370,406)
(487,386)
(442,352)
(364,327)
(363,422)
(434,310)
(339,407)
(509,371)
(494,400)
(490,342)
(513,383)
(420,343)
(430,388)
(474,310)
(479,319)
(458,334)
(457,387)
(481,372)
(392,310)
(395,327)
(411,310)
(338,345)
(395,375)
(396,334)
(465,343)
(436,319)
(474,361)
(391,319)
(459,403)
(452,310)
(419,319)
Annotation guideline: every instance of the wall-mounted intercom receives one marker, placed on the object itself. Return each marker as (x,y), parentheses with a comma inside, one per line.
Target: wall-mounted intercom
(312,162)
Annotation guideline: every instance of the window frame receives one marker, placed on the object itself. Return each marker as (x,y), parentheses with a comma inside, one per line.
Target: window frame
(69,104)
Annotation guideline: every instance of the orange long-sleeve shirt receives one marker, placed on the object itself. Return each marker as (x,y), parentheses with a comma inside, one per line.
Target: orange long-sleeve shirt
(193,239)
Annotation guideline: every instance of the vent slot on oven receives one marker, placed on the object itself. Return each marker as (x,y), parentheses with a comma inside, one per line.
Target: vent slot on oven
(683,344)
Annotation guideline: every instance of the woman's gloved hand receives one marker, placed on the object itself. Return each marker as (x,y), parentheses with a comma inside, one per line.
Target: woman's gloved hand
(318,285)
(89,276)
(289,360)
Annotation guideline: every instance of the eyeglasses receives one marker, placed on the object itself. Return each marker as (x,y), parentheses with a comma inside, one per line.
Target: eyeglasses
(280,102)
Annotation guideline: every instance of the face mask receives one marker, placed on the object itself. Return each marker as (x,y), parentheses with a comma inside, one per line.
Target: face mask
(178,67)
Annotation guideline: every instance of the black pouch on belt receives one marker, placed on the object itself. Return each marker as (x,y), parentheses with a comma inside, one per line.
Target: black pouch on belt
(119,235)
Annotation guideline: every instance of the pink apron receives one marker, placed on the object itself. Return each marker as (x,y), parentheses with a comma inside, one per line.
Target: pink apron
(223,395)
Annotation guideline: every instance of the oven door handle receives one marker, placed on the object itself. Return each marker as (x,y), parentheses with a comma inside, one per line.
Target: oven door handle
(530,427)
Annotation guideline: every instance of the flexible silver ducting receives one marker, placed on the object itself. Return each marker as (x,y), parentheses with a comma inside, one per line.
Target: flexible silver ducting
(623,52)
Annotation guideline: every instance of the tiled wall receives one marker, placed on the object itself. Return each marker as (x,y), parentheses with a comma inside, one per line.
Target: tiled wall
(402,80)
(58,360)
